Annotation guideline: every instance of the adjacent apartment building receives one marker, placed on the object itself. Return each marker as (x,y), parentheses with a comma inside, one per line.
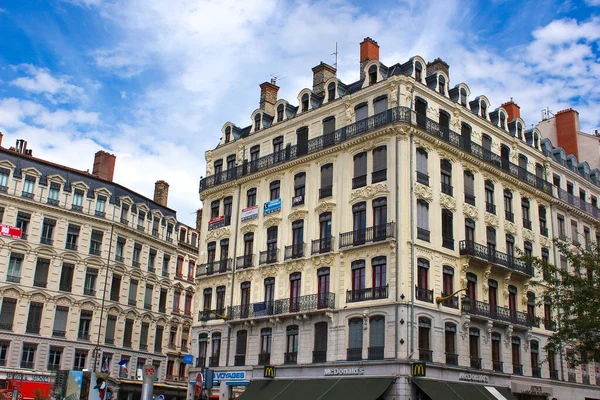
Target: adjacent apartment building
(92,275)
(338,231)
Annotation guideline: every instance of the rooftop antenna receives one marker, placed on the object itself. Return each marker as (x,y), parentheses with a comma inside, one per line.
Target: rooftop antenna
(335,64)
(274,78)
(547,114)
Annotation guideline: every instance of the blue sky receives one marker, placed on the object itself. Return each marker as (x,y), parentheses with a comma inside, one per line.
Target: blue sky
(154,81)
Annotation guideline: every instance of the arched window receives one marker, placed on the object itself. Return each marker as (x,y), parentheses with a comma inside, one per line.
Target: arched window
(216,349)
(355,339)
(280,113)
(266,336)
(376,337)
(535,359)
(525,212)
(463,97)
(425,353)
(519,131)
(483,109)
(257,118)
(418,71)
(305,102)
(372,74)
(442,85)
(510,247)
(450,343)
(496,355)
(536,139)
(502,121)
(202,348)
(474,348)
(227,134)
(331,91)
(472,287)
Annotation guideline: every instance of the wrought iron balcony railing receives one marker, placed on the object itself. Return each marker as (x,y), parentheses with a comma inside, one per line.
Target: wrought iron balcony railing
(372,234)
(311,302)
(518,369)
(490,207)
(294,251)
(509,216)
(476,307)
(319,356)
(451,359)
(536,372)
(213,361)
(290,357)
(268,256)
(245,261)
(498,365)
(554,374)
(423,234)
(324,245)
(495,257)
(375,352)
(215,267)
(577,202)
(423,178)
(425,355)
(239,360)
(549,324)
(475,362)
(424,294)
(264,359)
(354,354)
(447,189)
(452,302)
(376,293)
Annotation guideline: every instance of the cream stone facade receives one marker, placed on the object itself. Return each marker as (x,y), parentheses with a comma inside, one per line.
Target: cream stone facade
(98,273)
(332,228)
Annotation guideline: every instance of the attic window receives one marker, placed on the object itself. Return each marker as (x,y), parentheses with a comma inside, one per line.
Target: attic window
(257,122)
(305,102)
(502,121)
(535,140)
(463,97)
(442,85)
(418,71)
(331,91)
(227,134)
(372,74)
(483,109)
(280,113)
(519,131)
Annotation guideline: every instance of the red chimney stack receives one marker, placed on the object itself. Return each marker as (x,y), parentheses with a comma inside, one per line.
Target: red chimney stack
(567,126)
(104,165)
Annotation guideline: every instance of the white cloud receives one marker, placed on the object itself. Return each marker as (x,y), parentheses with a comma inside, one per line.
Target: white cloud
(40,81)
(593,3)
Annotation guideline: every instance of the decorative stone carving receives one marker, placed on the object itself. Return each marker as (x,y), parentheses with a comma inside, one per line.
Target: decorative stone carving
(445,156)
(245,275)
(365,319)
(218,233)
(349,108)
(273,221)
(491,219)
(407,93)
(527,342)
(545,242)
(322,261)
(240,154)
(508,336)
(209,164)
(488,332)
(325,207)
(326,160)
(464,334)
(269,271)
(406,130)
(423,192)
(506,285)
(509,227)
(369,192)
(447,202)
(297,214)
(392,94)
(247,228)
(470,211)
(528,235)
(424,145)
(486,277)
(295,266)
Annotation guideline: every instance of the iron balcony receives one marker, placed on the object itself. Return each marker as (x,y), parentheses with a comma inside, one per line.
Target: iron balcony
(215,267)
(375,233)
(482,252)
(504,314)
(311,302)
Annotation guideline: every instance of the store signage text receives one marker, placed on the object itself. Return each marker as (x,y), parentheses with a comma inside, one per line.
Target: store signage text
(473,378)
(11,231)
(230,376)
(28,378)
(272,206)
(249,213)
(344,371)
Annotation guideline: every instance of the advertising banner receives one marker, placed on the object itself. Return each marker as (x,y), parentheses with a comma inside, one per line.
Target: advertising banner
(250,213)
(10,231)
(272,206)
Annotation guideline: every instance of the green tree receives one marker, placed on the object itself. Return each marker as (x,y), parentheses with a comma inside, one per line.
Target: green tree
(573,290)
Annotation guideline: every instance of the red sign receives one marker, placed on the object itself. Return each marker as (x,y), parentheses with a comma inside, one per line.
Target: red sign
(11,231)
(149,371)
(217,219)
(198,384)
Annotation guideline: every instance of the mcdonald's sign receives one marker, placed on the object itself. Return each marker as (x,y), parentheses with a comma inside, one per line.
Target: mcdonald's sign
(269,371)
(419,369)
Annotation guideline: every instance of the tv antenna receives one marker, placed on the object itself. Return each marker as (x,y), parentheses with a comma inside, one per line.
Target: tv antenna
(335,64)
(547,114)
(275,78)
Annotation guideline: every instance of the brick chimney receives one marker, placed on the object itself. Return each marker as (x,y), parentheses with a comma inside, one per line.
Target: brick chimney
(161,193)
(369,50)
(104,165)
(438,65)
(513,110)
(199,220)
(321,73)
(268,97)
(567,126)
(1,136)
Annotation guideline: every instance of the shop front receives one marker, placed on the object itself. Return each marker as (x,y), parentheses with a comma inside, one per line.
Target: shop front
(531,391)
(132,390)
(28,385)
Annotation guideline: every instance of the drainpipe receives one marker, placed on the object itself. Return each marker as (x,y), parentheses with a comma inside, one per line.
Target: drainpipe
(396,171)
(412,238)
(237,219)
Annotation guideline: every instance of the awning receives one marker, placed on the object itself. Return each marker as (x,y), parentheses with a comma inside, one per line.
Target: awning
(317,389)
(447,390)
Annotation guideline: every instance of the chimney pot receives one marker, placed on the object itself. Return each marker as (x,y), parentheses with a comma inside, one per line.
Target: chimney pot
(369,50)
(567,126)
(321,74)
(104,165)
(513,110)
(268,97)
(161,193)
(438,65)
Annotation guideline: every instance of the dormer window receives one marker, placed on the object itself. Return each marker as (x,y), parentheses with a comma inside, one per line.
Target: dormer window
(483,109)
(280,113)
(502,121)
(257,122)
(418,71)
(227,134)
(519,131)
(331,91)
(536,140)
(463,97)
(305,102)
(442,85)
(372,74)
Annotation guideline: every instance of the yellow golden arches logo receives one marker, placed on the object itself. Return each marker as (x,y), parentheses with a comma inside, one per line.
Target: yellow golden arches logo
(269,371)
(419,369)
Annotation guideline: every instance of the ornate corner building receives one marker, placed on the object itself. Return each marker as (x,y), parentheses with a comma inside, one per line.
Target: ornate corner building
(92,274)
(339,231)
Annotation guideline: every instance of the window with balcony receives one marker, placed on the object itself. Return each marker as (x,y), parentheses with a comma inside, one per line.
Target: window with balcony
(295,285)
(85,325)
(227,209)
(508,209)
(360,170)
(469,231)
(214,208)
(48,231)
(447,229)
(224,244)
(444,122)
(299,189)
(278,153)
(109,335)
(379,218)
(472,287)
(254,157)
(54,357)
(120,249)
(422,291)
(4,175)
(574,232)
(465,133)
(531,308)
(510,248)
(28,186)
(425,353)
(61,316)
(421,112)
(474,354)
(490,206)
(376,337)
(423,220)
(133,289)
(245,299)
(77,204)
(525,212)
(379,164)
(66,277)
(358,280)
(291,354)
(89,284)
(34,318)
(40,278)
(325,241)
(496,354)
(448,286)
(562,230)
(215,349)
(516,356)
(96,242)
(100,206)
(587,238)
(359,222)
(207,299)
(527,250)
(271,255)
(469,180)
(28,355)
(53,193)
(320,343)
(379,273)
(274,190)
(551,358)
(361,111)
(422,169)
(266,338)
(512,301)
(355,339)
(326,189)
(535,359)
(23,220)
(7,313)
(72,237)
(241,343)
(269,288)
(137,255)
(202,350)
(323,287)
(493,297)
(450,343)
(446,176)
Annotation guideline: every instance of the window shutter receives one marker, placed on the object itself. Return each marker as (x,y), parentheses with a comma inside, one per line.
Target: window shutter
(356,333)
(60,318)
(377,332)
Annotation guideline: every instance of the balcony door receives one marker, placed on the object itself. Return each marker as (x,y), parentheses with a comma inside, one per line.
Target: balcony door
(245,297)
(358,280)
(325,232)
(323,287)
(359,212)
(379,218)
(295,282)
(493,297)
(512,301)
